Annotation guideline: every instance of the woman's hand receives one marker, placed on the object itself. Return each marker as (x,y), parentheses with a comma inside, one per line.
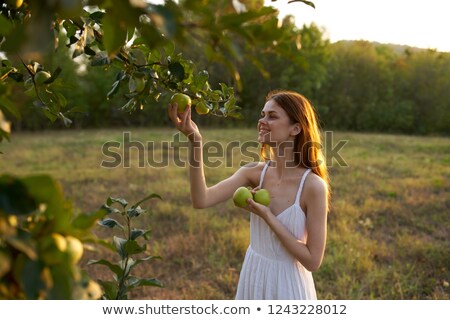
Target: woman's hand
(183,122)
(257,208)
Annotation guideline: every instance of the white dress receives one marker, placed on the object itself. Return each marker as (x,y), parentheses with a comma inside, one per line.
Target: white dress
(269,271)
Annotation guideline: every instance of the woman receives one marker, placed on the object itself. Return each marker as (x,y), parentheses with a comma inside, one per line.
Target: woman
(287,238)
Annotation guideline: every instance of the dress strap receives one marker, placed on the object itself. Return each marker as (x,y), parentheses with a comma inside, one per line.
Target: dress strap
(299,192)
(263,172)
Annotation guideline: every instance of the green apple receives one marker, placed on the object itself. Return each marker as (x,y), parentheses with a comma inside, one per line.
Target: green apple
(52,248)
(262,196)
(240,197)
(74,249)
(201,108)
(15,4)
(41,76)
(181,100)
(136,84)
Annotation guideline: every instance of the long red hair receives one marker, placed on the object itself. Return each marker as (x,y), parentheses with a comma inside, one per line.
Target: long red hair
(308,143)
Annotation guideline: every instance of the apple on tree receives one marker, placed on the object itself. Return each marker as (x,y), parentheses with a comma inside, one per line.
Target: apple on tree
(74,249)
(181,100)
(201,108)
(41,76)
(136,84)
(52,248)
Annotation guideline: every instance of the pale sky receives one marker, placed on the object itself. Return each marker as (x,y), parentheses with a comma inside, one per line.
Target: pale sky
(416,23)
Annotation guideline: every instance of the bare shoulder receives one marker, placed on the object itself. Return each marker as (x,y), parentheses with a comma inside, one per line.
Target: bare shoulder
(315,187)
(314,195)
(251,171)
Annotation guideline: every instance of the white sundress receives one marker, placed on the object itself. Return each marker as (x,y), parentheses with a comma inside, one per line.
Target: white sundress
(269,271)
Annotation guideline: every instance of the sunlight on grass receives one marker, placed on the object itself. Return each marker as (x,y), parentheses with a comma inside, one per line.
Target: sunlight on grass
(388,227)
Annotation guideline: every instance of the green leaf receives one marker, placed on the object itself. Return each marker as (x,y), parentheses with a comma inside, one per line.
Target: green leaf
(28,273)
(86,220)
(234,21)
(154,56)
(5,25)
(121,201)
(201,78)
(151,196)
(118,244)
(177,70)
(47,112)
(110,223)
(151,36)
(48,191)
(63,283)
(15,197)
(113,267)
(23,245)
(149,258)
(135,212)
(89,51)
(71,29)
(114,34)
(309,3)
(132,247)
(54,76)
(11,107)
(100,59)
(16,76)
(144,282)
(110,289)
(136,233)
(97,16)
(110,210)
(113,91)
(67,121)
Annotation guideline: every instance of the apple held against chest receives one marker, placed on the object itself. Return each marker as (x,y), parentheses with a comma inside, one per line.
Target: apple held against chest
(242,194)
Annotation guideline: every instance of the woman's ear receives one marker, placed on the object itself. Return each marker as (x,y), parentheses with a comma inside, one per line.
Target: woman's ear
(296,129)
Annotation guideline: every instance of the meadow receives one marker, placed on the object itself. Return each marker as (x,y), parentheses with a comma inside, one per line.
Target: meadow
(388,227)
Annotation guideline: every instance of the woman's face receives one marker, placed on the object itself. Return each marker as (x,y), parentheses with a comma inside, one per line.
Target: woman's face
(274,126)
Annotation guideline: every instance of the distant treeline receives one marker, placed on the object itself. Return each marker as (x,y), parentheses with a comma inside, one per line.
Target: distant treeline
(354,85)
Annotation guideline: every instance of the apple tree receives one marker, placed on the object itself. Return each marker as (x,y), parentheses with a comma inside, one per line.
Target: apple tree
(142,41)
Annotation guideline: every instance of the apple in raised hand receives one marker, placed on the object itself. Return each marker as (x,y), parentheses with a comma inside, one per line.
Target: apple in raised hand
(181,100)
(240,197)
(262,196)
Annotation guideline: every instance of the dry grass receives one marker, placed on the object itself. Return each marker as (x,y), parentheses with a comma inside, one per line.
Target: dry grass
(388,226)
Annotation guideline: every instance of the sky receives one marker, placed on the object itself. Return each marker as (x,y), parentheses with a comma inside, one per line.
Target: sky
(416,23)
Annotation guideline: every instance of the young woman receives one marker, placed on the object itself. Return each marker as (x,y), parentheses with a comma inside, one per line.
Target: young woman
(287,238)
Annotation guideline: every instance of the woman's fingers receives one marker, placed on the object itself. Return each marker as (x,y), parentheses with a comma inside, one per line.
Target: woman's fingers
(253,191)
(172,110)
(182,121)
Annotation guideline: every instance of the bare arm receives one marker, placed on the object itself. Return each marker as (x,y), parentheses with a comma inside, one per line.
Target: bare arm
(201,195)
(309,254)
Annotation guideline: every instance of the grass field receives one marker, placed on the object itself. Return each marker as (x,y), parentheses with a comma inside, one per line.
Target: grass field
(388,232)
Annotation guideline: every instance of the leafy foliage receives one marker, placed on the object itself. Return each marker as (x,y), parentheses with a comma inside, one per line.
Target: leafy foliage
(39,241)
(142,41)
(127,248)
